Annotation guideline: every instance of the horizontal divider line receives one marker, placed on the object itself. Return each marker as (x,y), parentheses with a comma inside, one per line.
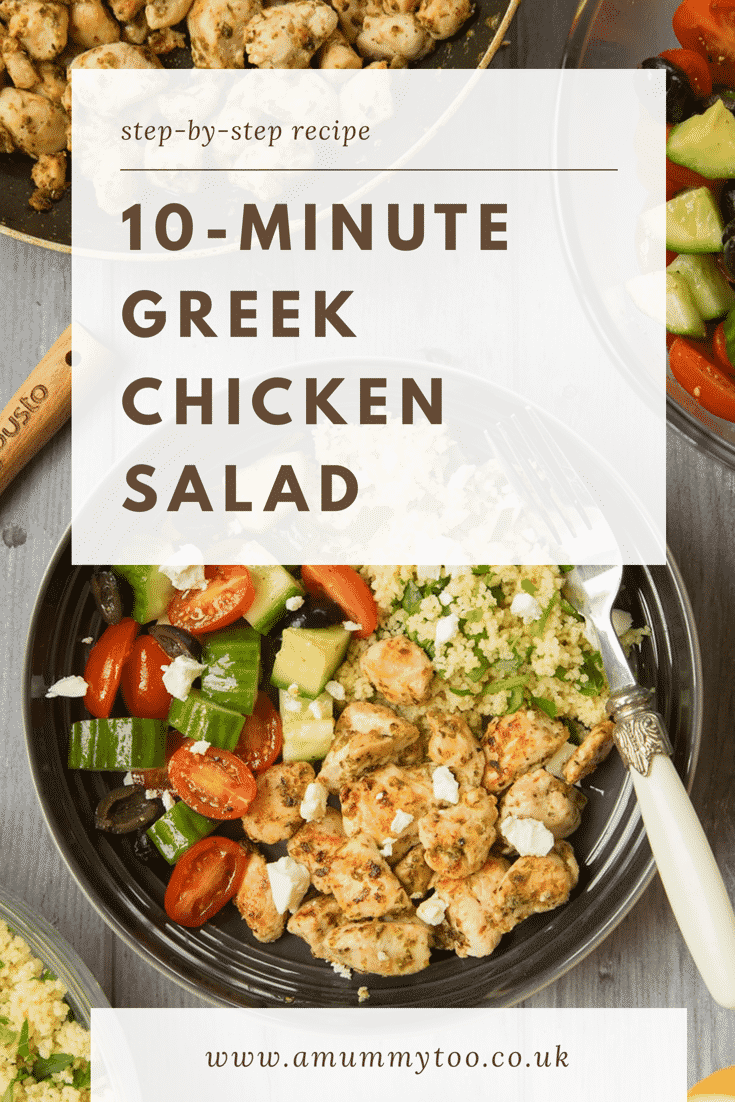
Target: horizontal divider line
(368,170)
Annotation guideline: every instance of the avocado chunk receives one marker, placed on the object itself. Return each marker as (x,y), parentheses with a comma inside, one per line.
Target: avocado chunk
(705,143)
(309,657)
(693,222)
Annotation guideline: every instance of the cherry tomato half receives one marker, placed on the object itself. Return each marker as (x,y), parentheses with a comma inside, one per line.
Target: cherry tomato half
(707,27)
(143,690)
(204,879)
(105,665)
(719,347)
(158,779)
(216,783)
(694,67)
(261,739)
(703,379)
(229,593)
(344,586)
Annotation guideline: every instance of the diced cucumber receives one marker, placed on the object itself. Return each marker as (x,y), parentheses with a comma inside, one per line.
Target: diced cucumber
(712,294)
(152,591)
(178,830)
(705,143)
(117,744)
(308,726)
(693,222)
(232,661)
(309,657)
(202,719)
(273,587)
(682,316)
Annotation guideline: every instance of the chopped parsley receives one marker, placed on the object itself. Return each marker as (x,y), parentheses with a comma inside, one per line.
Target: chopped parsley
(544,705)
(528,586)
(592,667)
(52,1065)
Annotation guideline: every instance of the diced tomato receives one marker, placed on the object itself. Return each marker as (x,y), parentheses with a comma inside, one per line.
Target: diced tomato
(261,740)
(229,593)
(205,878)
(105,665)
(344,586)
(216,783)
(703,379)
(158,779)
(694,67)
(708,28)
(143,690)
(678,178)
(719,347)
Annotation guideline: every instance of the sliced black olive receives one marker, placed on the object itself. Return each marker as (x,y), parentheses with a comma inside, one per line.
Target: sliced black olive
(321,613)
(728,248)
(125,809)
(106,593)
(681,102)
(727,202)
(176,641)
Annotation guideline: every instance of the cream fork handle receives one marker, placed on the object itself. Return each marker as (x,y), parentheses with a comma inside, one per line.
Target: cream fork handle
(690,875)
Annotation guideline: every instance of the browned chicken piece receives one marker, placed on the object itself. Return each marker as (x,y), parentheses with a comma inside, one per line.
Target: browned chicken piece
(315,844)
(370,804)
(274,814)
(217,28)
(351,15)
(52,82)
(18,65)
(469,927)
(535,884)
(336,53)
(414,873)
(514,744)
(399,669)
(366,736)
(40,25)
(386,948)
(538,795)
(49,176)
(453,744)
(457,839)
(593,750)
(288,35)
(165,40)
(362,883)
(34,123)
(314,920)
(443,18)
(254,900)
(126,10)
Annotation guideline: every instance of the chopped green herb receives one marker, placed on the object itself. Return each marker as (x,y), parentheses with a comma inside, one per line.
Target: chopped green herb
(43,1068)
(82,1076)
(576,731)
(474,616)
(529,587)
(412,598)
(7,1036)
(24,1050)
(480,570)
(570,610)
(462,692)
(47,974)
(545,705)
(560,673)
(505,684)
(514,701)
(566,569)
(497,592)
(592,667)
(8,1092)
(539,626)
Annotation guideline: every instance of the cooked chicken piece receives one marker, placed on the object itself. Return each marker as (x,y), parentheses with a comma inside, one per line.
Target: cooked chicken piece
(414,873)
(362,882)
(535,884)
(18,65)
(366,736)
(370,804)
(254,900)
(135,30)
(6,140)
(514,744)
(274,815)
(443,18)
(315,844)
(40,25)
(390,948)
(34,123)
(52,82)
(457,839)
(399,669)
(216,28)
(288,36)
(469,927)
(126,10)
(453,744)
(385,37)
(593,750)
(49,176)
(538,795)
(117,55)
(90,24)
(314,920)
(166,13)
(351,15)
(400,7)
(336,53)
(165,40)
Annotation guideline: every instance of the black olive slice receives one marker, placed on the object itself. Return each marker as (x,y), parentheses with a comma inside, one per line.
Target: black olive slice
(106,593)
(175,641)
(125,809)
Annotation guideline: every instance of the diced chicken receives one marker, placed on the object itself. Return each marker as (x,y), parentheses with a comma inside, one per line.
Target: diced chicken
(366,736)
(469,927)
(315,920)
(538,795)
(400,7)
(385,37)
(370,804)
(392,948)
(254,901)
(52,82)
(90,24)
(117,55)
(6,140)
(136,30)
(274,814)
(126,10)
(288,36)
(49,176)
(362,883)
(535,884)
(399,669)
(443,18)
(414,873)
(315,844)
(593,750)
(165,40)
(166,13)
(216,28)
(452,744)
(351,14)
(457,839)
(18,65)
(41,26)
(35,124)
(514,744)
(336,53)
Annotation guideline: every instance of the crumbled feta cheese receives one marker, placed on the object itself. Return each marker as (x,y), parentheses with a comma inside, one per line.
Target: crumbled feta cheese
(216,678)
(87,640)
(428,573)
(556,764)
(151,793)
(182,569)
(291,705)
(200,747)
(335,690)
(363,994)
(446,628)
(289,883)
(293,689)
(341,970)
(526,606)
(432,910)
(401,820)
(386,850)
(621,621)
(128,779)
(168,800)
(180,675)
(316,709)
(314,804)
(445,598)
(445,785)
(294,603)
(73,686)
(529,837)
(350,625)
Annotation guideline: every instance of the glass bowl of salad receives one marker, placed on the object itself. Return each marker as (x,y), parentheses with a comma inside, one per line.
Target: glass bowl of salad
(612,34)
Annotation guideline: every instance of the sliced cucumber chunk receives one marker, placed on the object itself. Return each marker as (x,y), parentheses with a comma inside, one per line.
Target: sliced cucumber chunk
(117,744)
(682,316)
(273,587)
(705,143)
(152,591)
(308,726)
(232,667)
(202,719)
(693,222)
(178,830)
(309,657)
(712,294)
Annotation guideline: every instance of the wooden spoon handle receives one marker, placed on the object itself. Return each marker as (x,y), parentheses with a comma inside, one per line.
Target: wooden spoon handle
(37,410)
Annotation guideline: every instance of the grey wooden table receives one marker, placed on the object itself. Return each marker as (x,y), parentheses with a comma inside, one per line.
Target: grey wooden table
(644,962)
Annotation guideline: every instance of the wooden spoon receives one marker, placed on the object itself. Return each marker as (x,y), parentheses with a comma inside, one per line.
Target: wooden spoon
(37,410)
